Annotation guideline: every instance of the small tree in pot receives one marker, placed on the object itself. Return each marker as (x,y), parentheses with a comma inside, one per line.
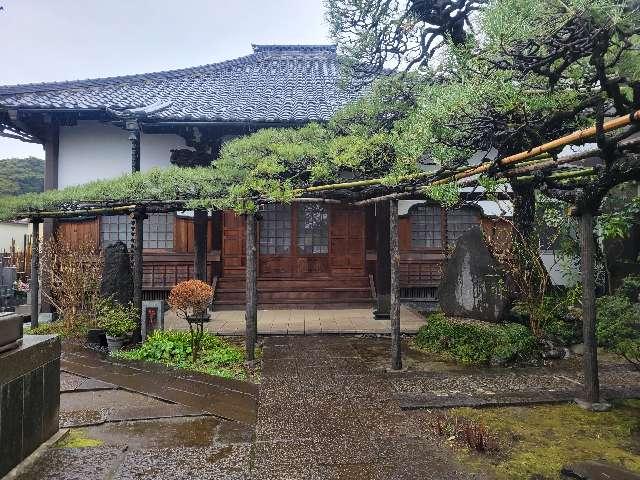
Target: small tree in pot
(190,300)
(118,321)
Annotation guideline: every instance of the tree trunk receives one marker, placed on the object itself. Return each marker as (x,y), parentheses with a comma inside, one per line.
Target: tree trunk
(394,251)
(524,210)
(200,224)
(138,241)
(383,261)
(251,312)
(35,271)
(587,247)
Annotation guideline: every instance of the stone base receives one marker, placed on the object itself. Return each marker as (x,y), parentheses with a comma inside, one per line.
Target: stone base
(593,407)
(29,397)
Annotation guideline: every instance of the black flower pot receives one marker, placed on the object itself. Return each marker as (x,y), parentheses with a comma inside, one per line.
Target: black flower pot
(96,336)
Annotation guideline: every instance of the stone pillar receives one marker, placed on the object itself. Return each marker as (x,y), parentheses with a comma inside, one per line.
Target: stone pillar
(383,261)
(591,382)
(200,225)
(394,250)
(35,272)
(251,268)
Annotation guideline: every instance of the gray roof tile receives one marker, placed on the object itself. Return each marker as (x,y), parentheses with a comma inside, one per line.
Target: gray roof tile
(276,83)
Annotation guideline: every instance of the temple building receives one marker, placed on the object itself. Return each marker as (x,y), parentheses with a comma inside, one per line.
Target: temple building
(309,254)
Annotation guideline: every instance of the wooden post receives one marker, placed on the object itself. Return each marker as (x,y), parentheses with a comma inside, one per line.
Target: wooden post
(138,241)
(134,138)
(394,251)
(200,224)
(383,261)
(251,312)
(35,271)
(591,382)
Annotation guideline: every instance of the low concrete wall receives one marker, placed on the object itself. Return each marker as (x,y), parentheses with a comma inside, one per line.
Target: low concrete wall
(29,397)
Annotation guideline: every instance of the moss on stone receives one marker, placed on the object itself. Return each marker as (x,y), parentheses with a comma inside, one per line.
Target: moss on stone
(542,439)
(77,438)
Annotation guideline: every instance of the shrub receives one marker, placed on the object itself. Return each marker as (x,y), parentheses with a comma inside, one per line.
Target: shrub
(190,300)
(173,348)
(191,297)
(117,320)
(630,287)
(72,273)
(617,328)
(475,343)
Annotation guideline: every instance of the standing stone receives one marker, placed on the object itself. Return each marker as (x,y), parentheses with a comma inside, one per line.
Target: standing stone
(117,279)
(472,284)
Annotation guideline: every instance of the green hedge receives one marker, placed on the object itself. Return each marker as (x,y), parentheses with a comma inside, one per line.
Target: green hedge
(479,343)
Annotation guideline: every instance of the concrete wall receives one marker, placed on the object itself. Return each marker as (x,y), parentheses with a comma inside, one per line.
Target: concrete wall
(93,150)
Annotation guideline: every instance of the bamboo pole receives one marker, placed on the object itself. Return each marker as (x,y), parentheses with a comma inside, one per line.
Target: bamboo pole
(574,137)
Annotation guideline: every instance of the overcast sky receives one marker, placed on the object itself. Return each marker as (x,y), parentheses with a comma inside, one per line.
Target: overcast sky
(53,40)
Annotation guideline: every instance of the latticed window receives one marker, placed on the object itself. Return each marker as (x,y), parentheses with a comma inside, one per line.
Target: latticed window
(313,229)
(461,221)
(158,231)
(115,228)
(426,227)
(275,230)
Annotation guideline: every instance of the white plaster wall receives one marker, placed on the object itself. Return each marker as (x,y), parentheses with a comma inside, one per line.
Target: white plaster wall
(13,231)
(93,150)
(155,150)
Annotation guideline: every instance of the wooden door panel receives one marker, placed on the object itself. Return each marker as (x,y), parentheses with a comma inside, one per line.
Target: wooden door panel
(233,244)
(347,241)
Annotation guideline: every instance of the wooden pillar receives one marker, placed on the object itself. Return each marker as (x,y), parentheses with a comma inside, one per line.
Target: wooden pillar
(138,241)
(134,138)
(383,261)
(590,359)
(394,251)
(35,271)
(51,150)
(251,268)
(200,225)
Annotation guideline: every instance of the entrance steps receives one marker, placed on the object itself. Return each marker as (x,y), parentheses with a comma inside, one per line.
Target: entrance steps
(321,292)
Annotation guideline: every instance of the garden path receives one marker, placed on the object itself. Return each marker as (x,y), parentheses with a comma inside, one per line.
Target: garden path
(345,321)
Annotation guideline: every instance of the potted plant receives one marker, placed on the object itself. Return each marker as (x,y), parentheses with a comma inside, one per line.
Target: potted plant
(190,300)
(117,321)
(20,290)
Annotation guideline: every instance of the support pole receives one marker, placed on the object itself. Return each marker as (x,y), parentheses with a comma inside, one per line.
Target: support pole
(138,241)
(251,313)
(383,262)
(134,138)
(200,224)
(35,271)
(394,250)
(591,382)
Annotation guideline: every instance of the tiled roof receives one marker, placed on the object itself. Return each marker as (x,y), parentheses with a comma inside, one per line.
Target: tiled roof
(276,83)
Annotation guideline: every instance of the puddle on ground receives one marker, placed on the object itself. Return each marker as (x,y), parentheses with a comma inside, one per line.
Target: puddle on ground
(165,433)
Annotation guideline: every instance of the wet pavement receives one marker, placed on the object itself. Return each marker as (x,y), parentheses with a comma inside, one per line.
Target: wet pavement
(328,409)
(225,398)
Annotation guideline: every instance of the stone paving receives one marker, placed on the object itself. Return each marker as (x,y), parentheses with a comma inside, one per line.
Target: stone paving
(305,322)
(328,409)
(327,412)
